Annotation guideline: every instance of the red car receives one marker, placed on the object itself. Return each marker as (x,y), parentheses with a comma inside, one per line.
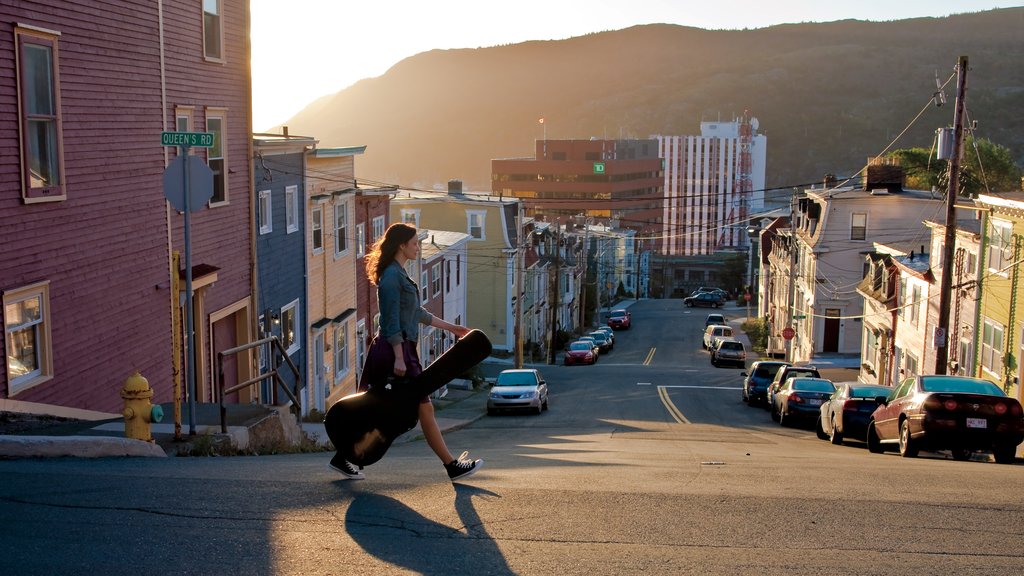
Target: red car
(957,413)
(580,352)
(620,319)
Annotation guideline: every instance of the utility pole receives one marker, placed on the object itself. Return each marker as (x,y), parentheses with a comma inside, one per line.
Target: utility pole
(520,289)
(553,338)
(941,335)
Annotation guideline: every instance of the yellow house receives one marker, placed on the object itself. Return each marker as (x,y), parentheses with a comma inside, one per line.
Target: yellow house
(1000,342)
(491,223)
(332,250)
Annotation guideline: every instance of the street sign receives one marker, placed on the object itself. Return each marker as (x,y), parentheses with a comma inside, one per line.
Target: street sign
(598,167)
(200,183)
(747,296)
(788,333)
(187,139)
(799,317)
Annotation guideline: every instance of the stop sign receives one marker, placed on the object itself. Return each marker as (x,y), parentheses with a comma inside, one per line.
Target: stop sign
(788,333)
(747,296)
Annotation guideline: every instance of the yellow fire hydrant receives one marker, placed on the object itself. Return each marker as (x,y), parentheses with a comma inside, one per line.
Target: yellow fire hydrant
(138,411)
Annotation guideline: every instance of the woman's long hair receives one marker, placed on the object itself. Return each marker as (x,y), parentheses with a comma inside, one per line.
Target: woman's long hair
(383,251)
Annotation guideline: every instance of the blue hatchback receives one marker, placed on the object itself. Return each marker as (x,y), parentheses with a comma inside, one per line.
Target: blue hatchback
(756,382)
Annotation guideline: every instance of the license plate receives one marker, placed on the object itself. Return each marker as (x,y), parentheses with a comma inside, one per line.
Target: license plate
(815,402)
(977,423)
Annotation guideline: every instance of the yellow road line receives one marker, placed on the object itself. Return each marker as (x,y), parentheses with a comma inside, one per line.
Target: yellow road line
(650,356)
(672,410)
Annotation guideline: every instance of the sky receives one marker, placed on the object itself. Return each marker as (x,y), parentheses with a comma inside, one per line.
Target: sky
(319,47)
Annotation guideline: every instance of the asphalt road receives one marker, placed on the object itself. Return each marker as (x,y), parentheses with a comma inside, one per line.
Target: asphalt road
(647,463)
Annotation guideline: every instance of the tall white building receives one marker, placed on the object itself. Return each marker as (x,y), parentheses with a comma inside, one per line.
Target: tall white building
(713,184)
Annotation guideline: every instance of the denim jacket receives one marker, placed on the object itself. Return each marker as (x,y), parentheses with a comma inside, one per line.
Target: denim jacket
(400,309)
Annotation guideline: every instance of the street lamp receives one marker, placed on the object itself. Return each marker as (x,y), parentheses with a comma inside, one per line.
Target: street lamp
(753,232)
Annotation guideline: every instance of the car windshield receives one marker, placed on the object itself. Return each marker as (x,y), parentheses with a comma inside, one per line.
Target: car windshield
(768,371)
(814,386)
(598,336)
(959,384)
(580,346)
(516,379)
(618,314)
(869,391)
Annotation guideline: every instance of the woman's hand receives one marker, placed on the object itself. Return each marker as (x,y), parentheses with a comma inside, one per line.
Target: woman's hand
(399,366)
(459,331)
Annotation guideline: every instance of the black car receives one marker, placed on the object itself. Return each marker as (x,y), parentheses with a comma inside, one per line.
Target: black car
(706,299)
(800,398)
(848,411)
(756,382)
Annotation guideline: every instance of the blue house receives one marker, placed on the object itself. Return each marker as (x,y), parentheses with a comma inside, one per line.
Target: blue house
(279,229)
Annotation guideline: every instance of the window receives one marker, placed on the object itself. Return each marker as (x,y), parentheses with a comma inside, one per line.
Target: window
(213,47)
(378,228)
(317,227)
(858,226)
(340,229)
(910,364)
(999,249)
(915,306)
(290,335)
(266,216)
(435,279)
(458,269)
(424,287)
(447,276)
(411,217)
(992,347)
(475,225)
(902,297)
(27,335)
(341,351)
(291,208)
(361,239)
(182,123)
(42,164)
(215,155)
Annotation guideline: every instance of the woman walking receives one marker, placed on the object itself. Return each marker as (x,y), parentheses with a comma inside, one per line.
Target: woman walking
(393,350)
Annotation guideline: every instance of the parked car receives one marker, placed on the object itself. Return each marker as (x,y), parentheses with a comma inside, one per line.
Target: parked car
(580,353)
(715,319)
(722,294)
(800,398)
(704,299)
(711,333)
(957,413)
(620,319)
(728,351)
(607,330)
(518,389)
(847,412)
(593,343)
(604,343)
(756,382)
(788,372)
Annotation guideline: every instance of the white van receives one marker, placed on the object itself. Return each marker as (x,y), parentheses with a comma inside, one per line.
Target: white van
(714,332)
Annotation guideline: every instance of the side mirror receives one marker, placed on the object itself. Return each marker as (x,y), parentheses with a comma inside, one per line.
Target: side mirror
(882,400)
(744,374)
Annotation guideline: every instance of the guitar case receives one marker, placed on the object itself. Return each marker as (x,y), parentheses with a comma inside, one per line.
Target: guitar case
(363,425)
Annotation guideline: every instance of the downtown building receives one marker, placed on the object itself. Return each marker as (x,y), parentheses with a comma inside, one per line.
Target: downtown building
(714,184)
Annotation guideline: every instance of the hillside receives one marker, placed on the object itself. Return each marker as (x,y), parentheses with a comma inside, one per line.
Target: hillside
(827,95)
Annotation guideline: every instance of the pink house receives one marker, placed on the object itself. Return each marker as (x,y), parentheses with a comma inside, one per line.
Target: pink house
(87,274)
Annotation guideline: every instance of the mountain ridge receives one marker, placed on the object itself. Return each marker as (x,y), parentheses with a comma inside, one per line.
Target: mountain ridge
(827,95)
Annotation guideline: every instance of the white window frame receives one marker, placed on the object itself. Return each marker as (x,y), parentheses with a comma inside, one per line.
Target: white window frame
(424,287)
(340,229)
(993,336)
(410,216)
(361,239)
(476,219)
(213,30)
(341,364)
(910,364)
(42,347)
(291,208)
(31,190)
(1000,240)
(266,212)
(858,232)
(316,228)
(378,228)
(435,280)
(915,308)
(217,155)
(290,314)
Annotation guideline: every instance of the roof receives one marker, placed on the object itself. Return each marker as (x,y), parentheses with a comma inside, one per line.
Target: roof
(337,152)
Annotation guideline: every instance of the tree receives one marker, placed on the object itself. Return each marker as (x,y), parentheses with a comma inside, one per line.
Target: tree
(983,161)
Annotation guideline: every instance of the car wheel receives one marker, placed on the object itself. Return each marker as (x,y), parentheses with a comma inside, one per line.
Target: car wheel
(491,411)
(540,409)
(836,437)
(745,397)
(1005,454)
(783,421)
(775,414)
(714,304)
(874,444)
(545,405)
(908,447)
(961,454)
(821,431)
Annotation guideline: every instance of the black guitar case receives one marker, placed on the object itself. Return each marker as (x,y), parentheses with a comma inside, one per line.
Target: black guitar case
(363,425)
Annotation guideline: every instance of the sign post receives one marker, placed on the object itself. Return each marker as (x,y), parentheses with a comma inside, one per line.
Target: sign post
(179,193)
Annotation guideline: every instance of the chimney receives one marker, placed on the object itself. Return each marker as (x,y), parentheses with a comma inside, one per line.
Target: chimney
(284,131)
(830,181)
(454,187)
(883,174)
